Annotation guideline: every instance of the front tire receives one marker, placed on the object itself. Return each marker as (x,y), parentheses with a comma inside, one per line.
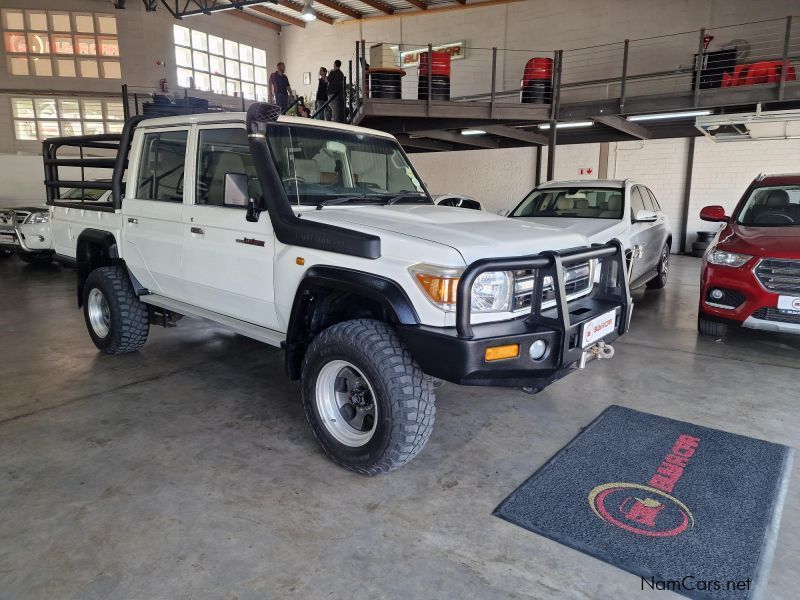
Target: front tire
(118,322)
(368,403)
(36,258)
(660,280)
(711,328)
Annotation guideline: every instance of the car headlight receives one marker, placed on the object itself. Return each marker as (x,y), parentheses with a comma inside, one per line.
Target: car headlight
(491,291)
(727,259)
(38,217)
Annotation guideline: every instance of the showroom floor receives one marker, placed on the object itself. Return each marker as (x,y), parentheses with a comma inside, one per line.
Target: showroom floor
(187,471)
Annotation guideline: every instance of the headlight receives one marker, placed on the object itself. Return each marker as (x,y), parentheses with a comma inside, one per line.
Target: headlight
(491,291)
(727,259)
(38,217)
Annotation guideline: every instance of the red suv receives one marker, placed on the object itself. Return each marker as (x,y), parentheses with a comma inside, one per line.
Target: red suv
(751,270)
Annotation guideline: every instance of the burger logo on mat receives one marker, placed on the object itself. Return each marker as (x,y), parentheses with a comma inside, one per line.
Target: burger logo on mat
(651,509)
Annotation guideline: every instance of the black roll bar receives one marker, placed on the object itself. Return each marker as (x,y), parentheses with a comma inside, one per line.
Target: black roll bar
(613,284)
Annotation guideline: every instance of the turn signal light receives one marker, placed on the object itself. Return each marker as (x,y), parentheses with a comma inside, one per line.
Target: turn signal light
(440,289)
(502,352)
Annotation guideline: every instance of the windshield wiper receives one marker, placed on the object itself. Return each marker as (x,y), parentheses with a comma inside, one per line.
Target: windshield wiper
(348,199)
(395,199)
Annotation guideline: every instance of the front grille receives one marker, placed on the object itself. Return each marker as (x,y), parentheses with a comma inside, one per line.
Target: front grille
(21,215)
(780,275)
(781,316)
(577,279)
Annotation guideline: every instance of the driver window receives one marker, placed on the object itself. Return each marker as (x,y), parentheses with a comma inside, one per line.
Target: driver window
(221,151)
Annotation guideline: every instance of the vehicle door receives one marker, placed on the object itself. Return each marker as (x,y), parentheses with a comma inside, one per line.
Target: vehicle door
(152,210)
(641,235)
(660,227)
(227,260)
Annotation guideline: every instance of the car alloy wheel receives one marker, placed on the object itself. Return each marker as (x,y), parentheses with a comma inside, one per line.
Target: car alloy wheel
(346,403)
(99,313)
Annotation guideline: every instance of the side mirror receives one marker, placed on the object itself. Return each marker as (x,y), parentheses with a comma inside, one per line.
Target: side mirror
(646,216)
(714,213)
(503,212)
(235,190)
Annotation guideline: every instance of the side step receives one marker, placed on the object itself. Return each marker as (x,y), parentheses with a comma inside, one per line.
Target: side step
(256,332)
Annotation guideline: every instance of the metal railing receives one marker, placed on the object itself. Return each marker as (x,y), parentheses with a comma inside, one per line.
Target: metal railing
(762,53)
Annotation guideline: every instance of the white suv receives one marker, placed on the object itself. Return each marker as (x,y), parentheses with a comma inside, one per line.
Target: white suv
(319,238)
(603,210)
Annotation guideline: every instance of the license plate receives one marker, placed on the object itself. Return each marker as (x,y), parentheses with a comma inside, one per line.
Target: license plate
(7,238)
(598,328)
(790,303)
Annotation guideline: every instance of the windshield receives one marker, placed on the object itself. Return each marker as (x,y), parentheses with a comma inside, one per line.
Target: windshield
(318,164)
(577,202)
(777,206)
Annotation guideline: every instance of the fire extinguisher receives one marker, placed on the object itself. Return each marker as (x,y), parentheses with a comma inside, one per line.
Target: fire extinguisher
(162,85)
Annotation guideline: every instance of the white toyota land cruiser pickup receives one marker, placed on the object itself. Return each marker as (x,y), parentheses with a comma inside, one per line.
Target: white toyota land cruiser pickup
(320,238)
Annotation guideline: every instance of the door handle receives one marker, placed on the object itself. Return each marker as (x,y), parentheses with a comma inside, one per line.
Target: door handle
(132,221)
(197,230)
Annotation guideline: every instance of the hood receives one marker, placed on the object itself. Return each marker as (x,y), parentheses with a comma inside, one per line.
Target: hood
(474,234)
(599,231)
(774,242)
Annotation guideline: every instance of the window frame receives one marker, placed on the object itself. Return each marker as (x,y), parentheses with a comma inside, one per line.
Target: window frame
(140,163)
(106,119)
(635,190)
(196,143)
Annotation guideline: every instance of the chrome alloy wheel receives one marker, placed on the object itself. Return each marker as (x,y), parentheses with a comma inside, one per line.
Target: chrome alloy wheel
(346,403)
(665,263)
(99,314)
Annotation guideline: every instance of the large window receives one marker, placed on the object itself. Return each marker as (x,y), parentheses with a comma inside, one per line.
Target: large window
(213,64)
(61,44)
(36,118)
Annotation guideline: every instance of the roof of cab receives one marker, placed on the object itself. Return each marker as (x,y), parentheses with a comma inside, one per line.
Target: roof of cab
(238,117)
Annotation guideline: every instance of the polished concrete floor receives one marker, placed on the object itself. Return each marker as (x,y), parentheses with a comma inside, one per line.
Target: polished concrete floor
(186,470)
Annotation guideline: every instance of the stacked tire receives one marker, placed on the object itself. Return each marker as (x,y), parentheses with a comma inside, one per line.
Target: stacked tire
(435,67)
(704,239)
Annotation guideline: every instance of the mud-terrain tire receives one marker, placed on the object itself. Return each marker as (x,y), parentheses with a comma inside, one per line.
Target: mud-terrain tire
(368,403)
(118,322)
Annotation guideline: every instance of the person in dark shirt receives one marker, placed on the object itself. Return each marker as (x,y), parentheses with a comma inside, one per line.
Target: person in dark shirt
(336,92)
(322,95)
(279,87)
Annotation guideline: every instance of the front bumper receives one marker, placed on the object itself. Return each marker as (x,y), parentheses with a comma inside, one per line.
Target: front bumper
(34,238)
(458,354)
(758,306)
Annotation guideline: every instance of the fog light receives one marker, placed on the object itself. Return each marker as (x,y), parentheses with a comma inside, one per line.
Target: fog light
(538,350)
(717,294)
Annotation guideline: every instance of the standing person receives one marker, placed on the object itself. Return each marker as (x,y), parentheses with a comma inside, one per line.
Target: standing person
(279,88)
(322,95)
(336,92)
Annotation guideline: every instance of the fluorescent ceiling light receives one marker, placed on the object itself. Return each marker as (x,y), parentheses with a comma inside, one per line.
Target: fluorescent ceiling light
(675,115)
(568,125)
(473,132)
(308,14)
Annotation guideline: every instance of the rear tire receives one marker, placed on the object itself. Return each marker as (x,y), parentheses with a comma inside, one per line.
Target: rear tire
(368,403)
(660,280)
(36,258)
(711,328)
(118,322)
